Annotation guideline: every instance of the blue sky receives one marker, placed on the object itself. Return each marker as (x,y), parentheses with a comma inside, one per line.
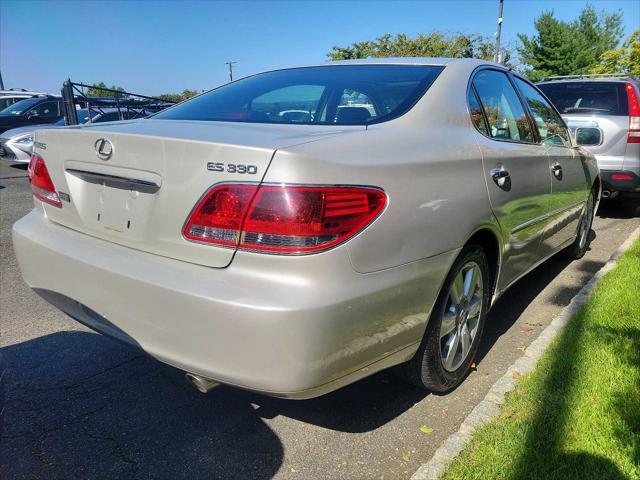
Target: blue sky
(167,46)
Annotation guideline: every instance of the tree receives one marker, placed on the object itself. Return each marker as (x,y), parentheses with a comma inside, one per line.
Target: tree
(178,97)
(434,44)
(622,60)
(569,48)
(96,90)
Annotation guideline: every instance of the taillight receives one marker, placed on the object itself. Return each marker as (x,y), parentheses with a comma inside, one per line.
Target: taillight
(41,184)
(283,219)
(621,176)
(633,135)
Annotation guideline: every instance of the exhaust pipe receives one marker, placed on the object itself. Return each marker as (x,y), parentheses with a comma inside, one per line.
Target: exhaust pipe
(203,385)
(609,194)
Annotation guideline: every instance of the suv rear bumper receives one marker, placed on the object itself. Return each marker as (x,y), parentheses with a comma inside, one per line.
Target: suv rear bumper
(289,327)
(620,180)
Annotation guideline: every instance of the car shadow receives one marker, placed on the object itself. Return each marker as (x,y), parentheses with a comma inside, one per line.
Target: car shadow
(612,208)
(509,308)
(80,405)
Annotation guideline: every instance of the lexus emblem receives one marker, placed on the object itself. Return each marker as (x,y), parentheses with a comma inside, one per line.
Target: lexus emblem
(104,149)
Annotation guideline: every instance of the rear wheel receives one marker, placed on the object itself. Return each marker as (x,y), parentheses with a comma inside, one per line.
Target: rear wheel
(455,327)
(581,244)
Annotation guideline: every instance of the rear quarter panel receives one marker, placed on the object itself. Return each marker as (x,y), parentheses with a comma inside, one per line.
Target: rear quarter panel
(428,164)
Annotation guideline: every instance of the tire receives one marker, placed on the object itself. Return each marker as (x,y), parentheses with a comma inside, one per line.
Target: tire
(580,246)
(436,366)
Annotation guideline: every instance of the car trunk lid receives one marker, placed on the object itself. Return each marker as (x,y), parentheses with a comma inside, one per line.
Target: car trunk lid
(141,195)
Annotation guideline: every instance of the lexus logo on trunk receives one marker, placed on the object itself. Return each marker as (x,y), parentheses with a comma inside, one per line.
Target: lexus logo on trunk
(104,148)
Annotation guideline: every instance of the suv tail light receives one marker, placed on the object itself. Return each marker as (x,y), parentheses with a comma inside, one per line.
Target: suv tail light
(633,135)
(283,219)
(41,184)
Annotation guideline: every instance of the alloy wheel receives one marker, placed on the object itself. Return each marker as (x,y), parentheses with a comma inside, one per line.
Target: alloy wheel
(461,316)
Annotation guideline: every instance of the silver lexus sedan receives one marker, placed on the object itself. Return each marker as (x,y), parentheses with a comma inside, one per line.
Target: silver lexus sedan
(292,254)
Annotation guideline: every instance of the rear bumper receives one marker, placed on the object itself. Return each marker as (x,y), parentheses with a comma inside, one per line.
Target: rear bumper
(620,180)
(290,327)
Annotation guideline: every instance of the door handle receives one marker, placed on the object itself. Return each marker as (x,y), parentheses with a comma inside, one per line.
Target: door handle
(556,168)
(500,175)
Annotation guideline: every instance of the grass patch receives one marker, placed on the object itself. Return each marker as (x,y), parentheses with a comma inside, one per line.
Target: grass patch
(577,415)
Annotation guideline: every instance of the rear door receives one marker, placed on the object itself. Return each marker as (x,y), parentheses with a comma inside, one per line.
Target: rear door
(601,104)
(570,180)
(516,169)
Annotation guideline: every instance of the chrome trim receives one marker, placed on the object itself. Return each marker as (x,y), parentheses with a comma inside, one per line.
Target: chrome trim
(544,217)
(115,181)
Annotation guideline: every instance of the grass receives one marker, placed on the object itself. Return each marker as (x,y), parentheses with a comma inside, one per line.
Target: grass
(577,415)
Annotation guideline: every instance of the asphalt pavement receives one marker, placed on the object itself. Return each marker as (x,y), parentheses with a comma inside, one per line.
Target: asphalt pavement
(80,405)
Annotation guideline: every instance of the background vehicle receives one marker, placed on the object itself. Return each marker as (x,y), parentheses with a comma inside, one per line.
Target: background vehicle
(17,144)
(9,97)
(32,111)
(612,104)
(293,257)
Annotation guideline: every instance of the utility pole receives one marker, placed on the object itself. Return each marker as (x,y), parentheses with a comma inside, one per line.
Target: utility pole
(230,65)
(1,82)
(497,57)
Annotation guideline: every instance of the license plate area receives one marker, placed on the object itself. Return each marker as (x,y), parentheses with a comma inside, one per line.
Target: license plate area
(115,205)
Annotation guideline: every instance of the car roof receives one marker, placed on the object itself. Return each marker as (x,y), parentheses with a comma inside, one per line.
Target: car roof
(409,61)
(589,78)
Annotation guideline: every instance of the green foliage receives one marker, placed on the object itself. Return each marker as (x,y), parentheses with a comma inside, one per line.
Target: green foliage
(96,90)
(576,415)
(178,97)
(569,48)
(625,59)
(434,44)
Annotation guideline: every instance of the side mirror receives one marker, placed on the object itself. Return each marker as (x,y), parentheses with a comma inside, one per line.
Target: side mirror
(33,116)
(588,136)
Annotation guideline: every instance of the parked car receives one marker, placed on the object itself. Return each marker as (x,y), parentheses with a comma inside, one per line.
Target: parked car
(31,111)
(16,144)
(9,97)
(292,258)
(611,104)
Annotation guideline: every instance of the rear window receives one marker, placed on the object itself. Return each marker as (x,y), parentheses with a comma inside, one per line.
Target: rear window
(604,98)
(331,95)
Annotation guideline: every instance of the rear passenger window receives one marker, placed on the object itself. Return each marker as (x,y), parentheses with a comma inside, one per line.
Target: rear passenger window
(551,127)
(475,110)
(505,114)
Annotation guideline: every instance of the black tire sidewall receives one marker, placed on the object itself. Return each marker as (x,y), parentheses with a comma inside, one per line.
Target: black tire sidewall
(575,251)
(432,372)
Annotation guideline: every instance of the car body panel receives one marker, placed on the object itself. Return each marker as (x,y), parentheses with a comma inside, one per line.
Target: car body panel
(611,152)
(277,324)
(292,326)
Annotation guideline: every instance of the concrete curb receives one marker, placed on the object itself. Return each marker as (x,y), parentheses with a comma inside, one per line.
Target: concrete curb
(489,407)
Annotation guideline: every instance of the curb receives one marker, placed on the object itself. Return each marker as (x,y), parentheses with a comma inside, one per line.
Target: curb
(489,407)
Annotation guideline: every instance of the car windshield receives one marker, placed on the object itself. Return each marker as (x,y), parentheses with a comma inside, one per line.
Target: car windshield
(20,107)
(604,98)
(329,95)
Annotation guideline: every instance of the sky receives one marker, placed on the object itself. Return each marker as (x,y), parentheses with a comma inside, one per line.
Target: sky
(153,47)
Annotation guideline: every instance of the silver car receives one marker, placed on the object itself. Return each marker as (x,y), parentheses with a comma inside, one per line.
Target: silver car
(16,145)
(292,255)
(610,104)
